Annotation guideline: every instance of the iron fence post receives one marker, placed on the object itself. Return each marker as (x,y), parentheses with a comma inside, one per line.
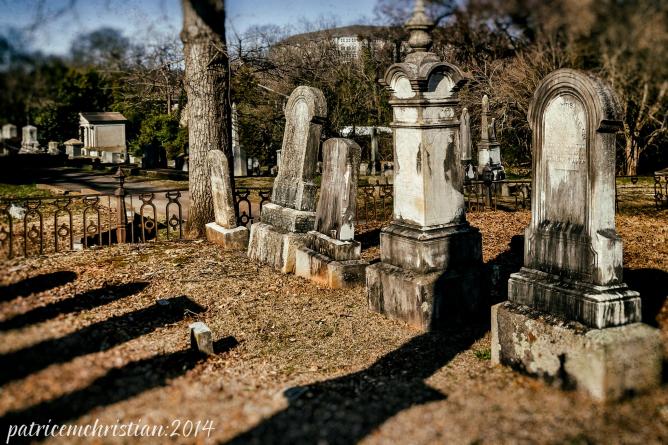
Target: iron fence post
(121,215)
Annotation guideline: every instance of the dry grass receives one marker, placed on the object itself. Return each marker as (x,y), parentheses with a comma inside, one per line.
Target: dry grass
(355,375)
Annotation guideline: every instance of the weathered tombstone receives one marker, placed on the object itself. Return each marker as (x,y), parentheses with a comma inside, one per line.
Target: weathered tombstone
(430,256)
(9,132)
(489,149)
(73,148)
(330,255)
(29,143)
(364,169)
(224,230)
(569,316)
(291,213)
(53,148)
(238,153)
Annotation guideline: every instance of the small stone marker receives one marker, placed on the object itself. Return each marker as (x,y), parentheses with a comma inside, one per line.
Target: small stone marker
(201,338)
(290,214)
(330,255)
(224,230)
(569,312)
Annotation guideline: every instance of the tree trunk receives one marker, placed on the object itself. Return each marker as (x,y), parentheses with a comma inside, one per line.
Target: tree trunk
(206,82)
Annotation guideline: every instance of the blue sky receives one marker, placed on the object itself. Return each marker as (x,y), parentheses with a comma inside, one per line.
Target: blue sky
(55,23)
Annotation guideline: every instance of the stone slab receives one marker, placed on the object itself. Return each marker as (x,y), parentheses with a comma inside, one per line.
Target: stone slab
(228,239)
(337,204)
(335,249)
(324,270)
(201,338)
(427,301)
(607,364)
(221,189)
(592,305)
(274,246)
(427,251)
(287,219)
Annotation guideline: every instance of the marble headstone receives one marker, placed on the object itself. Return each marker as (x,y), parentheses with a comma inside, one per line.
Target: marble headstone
(429,271)
(291,213)
(330,255)
(573,254)
(224,230)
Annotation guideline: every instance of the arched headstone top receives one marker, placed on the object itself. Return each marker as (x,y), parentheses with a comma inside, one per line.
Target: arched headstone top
(596,96)
(314,100)
(427,76)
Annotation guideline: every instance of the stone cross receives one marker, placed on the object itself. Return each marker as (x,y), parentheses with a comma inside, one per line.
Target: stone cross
(304,115)
(335,214)
(221,190)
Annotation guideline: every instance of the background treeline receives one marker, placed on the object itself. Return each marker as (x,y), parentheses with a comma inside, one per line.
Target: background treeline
(104,71)
(506,45)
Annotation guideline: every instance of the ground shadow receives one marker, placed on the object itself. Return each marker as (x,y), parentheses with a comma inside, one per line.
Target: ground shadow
(497,271)
(94,338)
(117,385)
(346,409)
(369,238)
(38,283)
(79,302)
(653,287)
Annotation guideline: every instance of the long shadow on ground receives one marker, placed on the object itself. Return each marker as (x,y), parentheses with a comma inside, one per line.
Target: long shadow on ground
(96,337)
(80,302)
(117,385)
(346,409)
(39,283)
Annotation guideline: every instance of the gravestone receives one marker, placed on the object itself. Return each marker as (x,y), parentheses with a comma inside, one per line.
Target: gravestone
(73,148)
(238,153)
(489,149)
(291,213)
(364,169)
(570,316)
(9,132)
(330,255)
(53,148)
(224,230)
(465,140)
(29,143)
(429,271)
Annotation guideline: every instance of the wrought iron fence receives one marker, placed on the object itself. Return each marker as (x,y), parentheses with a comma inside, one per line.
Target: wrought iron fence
(497,195)
(30,226)
(640,193)
(36,226)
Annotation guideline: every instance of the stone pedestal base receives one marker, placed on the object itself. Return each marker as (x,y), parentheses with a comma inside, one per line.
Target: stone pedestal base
(595,306)
(605,363)
(331,262)
(427,277)
(427,301)
(274,246)
(228,239)
(328,272)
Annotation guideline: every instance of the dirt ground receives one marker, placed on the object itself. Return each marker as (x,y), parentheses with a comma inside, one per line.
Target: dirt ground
(103,335)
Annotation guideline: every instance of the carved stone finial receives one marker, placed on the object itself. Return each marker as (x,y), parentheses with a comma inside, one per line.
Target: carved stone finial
(420,26)
(485,104)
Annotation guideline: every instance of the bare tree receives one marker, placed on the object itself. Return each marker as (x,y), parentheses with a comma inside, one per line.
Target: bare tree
(206,82)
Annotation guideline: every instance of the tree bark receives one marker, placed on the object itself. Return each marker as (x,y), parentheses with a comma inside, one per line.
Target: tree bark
(206,82)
